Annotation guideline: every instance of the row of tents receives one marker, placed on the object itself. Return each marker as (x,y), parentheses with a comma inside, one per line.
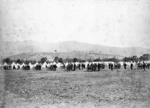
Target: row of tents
(51,65)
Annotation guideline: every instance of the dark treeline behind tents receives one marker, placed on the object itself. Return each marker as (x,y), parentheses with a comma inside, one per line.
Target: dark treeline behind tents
(144,57)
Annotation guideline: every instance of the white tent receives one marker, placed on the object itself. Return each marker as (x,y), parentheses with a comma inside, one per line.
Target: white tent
(14,65)
(36,64)
(54,63)
(5,64)
(48,64)
(22,65)
(147,61)
(44,65)
(128,63)
(106,63)
(77,63)
(18,65)
(31,65)
(66,64)
(121,62)
(59,65)
(86,63)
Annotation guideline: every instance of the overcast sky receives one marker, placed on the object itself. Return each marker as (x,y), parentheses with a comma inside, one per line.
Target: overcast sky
(121,23)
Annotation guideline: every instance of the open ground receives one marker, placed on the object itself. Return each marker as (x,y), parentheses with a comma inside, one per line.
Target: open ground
(80,89)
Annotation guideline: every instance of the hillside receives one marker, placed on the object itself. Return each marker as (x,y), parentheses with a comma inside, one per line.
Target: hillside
(50,56)
(66,49)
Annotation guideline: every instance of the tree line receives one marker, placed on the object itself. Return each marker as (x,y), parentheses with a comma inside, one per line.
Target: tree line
(144,57)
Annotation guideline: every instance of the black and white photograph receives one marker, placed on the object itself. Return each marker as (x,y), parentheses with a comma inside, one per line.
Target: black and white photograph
(74,53)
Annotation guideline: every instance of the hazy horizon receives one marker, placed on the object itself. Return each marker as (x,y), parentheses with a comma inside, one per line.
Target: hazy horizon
(24,41)
(115,23)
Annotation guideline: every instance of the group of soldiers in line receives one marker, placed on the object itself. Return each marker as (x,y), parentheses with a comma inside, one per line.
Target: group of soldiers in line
(144,65)
(71,66)
(131,65)
(74,66)
(82,66)
(98,66)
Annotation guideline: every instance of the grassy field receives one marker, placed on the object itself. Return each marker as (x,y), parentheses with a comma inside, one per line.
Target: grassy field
(80,89)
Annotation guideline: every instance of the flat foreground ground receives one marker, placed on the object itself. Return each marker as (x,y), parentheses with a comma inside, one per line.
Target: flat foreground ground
(79,89)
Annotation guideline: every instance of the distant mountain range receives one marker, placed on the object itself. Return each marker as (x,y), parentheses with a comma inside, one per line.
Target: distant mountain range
(66,49)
